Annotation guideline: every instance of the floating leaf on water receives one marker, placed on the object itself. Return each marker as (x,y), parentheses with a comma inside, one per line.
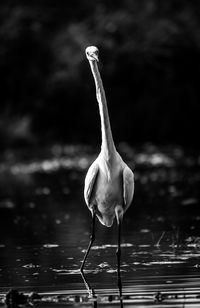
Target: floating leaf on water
(194,245)
(126,245)
(166,262)
(111,271)
(31,265)
(73,271)
(143,246)
(103,265)
(115,270)
(100,247)
(111,246)
(50,245)
(125,265)
(59,270)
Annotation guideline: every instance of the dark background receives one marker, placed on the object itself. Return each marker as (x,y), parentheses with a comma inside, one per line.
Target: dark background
(149,61)
(50,135)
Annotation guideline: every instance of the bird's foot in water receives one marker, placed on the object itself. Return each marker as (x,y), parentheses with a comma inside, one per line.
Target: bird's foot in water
(93,298)
(121,301)
(92,294)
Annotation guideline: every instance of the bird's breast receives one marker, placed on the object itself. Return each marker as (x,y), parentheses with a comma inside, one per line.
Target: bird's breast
(107,192)
(108,189)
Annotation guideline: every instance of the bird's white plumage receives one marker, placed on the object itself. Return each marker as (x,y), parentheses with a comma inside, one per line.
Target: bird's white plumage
(89,181)
(109,183)
(128,186)
(107,186)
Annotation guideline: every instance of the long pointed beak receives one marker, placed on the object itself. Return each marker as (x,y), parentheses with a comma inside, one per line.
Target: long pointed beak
(95,57)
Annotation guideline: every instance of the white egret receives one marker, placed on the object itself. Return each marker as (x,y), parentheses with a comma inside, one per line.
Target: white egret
(109,183)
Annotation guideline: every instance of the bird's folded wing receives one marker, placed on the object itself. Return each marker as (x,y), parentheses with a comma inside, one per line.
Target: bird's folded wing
(89,181)
(128,186)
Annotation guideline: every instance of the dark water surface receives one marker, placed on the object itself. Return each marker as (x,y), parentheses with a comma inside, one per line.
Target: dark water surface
(45,228)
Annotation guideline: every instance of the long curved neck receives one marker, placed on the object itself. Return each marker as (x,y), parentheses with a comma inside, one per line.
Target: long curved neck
(107,146)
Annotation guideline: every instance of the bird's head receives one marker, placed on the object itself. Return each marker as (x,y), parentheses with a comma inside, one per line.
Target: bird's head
(92,53)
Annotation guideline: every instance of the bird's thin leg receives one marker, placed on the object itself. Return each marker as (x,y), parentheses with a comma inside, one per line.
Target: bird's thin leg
(118,253)
(92,238)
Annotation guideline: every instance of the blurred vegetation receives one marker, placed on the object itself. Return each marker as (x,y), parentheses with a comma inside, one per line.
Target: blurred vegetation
(149,52)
